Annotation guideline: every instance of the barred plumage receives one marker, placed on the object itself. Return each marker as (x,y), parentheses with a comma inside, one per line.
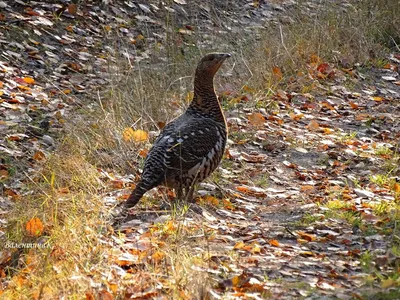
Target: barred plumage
(189,148)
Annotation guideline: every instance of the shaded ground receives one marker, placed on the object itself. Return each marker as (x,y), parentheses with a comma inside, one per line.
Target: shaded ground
(294,211)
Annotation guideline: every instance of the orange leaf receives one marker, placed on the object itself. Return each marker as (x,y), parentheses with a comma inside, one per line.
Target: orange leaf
(306,236)
(313,125)
(327,105)
(256,119)
(34,227)
(353,105)
(305,188)
(274,243)
(143,152)
(39,155)
(29,80)
(277,72)
(157,256)
(105,295)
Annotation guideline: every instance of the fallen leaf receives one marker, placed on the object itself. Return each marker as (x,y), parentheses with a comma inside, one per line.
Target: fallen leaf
(313,125)
(256,119)
(274,243)
(34,227)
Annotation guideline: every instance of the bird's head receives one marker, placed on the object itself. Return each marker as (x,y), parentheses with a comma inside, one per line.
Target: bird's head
(210,64)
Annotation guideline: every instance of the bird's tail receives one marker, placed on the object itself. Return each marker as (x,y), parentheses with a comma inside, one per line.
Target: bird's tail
(137,194)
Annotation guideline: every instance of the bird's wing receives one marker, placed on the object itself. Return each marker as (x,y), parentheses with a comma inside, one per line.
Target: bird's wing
(182,145)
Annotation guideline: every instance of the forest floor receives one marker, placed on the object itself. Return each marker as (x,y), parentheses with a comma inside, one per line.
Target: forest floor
(305,204)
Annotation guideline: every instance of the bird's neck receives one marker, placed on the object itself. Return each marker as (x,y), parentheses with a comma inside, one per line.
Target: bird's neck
(205,100)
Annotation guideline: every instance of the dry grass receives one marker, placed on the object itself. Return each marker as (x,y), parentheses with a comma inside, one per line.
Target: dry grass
(140,96)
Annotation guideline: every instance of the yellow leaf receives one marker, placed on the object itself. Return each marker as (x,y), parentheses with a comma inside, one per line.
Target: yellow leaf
(378,99)
(140,135)
(235,281)
(256,248)
(29,80)
(256,119)
(134,135)
(127,134)
(295,117)
(34,227)
(239,245)
(327,130)
(387,283)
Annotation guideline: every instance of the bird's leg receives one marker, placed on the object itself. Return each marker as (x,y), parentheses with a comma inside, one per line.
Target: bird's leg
(189,194)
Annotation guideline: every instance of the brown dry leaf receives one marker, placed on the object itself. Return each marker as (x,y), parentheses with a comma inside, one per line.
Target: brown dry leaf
(295,117)
(254,158)
(117,184)
(361,117)
(256,119)
(275,119)
(105,295)
(276,71)
(274,243)
(34,227)
(353,105)
(305,188)
(306,236)
(143,152)
(89,296)
(72,8)
(327,105)
(313,125)
(39,155)
(3,173)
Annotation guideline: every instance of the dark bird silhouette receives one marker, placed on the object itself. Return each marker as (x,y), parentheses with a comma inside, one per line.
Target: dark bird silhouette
(189,148)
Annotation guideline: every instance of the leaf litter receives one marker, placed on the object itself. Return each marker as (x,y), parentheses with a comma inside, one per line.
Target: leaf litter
(258,242)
